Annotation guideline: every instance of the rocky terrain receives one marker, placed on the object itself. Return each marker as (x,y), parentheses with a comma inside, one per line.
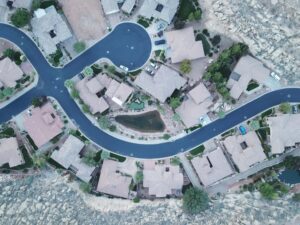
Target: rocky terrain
(269,27)
(49,199)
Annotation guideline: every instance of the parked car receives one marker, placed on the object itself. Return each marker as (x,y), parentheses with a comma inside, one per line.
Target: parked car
(80,76)
(149,70)
(124,68)
(160,42)
(295,109)
(242,130)
(155,66)
(275,76)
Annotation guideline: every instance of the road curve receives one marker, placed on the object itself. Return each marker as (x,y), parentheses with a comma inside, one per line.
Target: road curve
(129,45)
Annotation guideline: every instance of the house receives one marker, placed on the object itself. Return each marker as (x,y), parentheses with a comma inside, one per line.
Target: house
(284,132)
(88,90)
(49,29)
(162,85)
(182,45)
(87,21)
(110,6)
(10,153)
(159,9)
(245,150)
(9,73)
(195,106)
(92,92)
(69,156)
(247,69)
(162,179)
(128,6)
(42,124)
(212,167)
(114,178)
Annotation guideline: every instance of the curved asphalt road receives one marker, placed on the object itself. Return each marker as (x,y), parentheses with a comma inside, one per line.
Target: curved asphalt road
(129,45)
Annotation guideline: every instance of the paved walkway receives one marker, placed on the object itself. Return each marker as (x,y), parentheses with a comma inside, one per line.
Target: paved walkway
(190,171)
(223,186)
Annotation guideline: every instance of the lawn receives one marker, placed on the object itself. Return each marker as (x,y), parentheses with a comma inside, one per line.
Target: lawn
(185,8)
(143,22)
(197,150)
(252,85)
(206,45)
(117,157)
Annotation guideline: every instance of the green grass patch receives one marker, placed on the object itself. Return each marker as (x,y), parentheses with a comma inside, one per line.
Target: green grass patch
(252,85)
(117,157)
(206,45)
(185,8)
(143,22)
(198,150)
(267,113)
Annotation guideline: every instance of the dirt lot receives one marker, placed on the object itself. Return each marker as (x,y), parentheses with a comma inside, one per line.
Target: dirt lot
(86,18)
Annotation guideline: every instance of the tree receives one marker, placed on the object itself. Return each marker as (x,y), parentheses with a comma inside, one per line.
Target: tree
(89,158)
(191,16)
(36,4)
(88,71)
(104,122)
(216,40)
(85,187)
(195,201)
(7,91)
(285,107)
(175,102)
(39,161)
(267,191)
(185,66)
(105,155)
(20,18)
(74,93)
(111,69)
(139,176)
(175,161)
(178,24)
(85,108)
(197,14)
(69,84)
(112,128)
(217,77)
(79,46)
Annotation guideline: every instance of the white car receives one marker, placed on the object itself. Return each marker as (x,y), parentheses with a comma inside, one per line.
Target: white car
(124,68)
(154,65)
(275,76)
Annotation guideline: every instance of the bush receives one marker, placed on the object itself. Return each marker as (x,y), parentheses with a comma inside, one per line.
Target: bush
(20,18)
(88,71)
(104,122)
(136,200)
(285,107)
(195,201)
(89,158)
(175,102)
(85,187)
(85,108)
(175,161)
(267,191)
(36,102)
(185,66)
(179,24)
(216,40)
(36,4)
(139,176)
(79,46)
(13,55)
(112,128)
(296,197)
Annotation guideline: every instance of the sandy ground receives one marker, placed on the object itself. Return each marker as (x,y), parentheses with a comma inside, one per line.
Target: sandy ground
(86,18)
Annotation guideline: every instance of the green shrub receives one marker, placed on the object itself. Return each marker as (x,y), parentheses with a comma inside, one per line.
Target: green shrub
(185,66)
(85,187)
(195,201)
(20,18)
(79,46)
